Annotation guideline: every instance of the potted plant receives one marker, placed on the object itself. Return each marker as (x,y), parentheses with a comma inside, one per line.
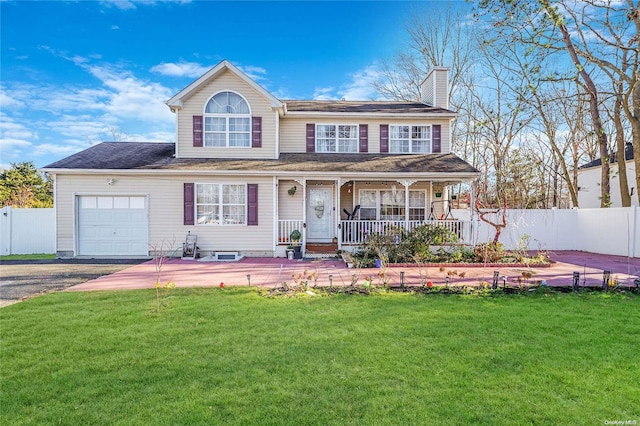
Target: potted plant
(295,238)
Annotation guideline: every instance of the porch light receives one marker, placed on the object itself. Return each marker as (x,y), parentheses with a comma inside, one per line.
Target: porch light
(249,279)
(504,281)
(330,280)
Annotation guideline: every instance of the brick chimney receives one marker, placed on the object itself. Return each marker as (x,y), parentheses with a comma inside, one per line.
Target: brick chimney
(434,89)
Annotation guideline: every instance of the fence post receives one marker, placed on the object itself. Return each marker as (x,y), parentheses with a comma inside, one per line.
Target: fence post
(5,230)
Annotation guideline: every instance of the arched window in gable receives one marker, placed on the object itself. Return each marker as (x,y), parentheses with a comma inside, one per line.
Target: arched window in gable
(227,121)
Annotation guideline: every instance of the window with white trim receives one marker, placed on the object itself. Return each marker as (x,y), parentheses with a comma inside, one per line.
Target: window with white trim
(390,205)
(221,204)
(409,139)
(337,138)
(227,121)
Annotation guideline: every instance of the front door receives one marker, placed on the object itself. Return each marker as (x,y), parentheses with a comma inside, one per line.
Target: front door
(319,215)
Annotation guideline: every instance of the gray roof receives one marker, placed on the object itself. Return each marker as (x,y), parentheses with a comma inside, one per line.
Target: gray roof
(116,155)
(364,106)
(628,155)
(159,156)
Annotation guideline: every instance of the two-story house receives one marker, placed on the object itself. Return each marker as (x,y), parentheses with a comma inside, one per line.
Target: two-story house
(247,168)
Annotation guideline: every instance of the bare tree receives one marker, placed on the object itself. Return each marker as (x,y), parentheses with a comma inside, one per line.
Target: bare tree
(542,25)
(437,37)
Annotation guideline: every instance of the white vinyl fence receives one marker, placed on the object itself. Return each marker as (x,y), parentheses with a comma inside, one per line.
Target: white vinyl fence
(606,231)
(27,231)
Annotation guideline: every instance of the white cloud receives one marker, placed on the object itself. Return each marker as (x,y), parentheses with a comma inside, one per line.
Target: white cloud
(7,101)
(55,149)
(180,69)
(361,85)
(15,138)
(324,94)
(132,4)
(359,88)
(255,73)
(115,27)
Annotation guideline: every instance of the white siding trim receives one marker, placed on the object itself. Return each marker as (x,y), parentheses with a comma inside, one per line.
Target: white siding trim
(277,151)
(176,100)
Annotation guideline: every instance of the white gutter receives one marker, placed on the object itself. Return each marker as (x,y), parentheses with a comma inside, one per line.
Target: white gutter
(371,114)
(267,173)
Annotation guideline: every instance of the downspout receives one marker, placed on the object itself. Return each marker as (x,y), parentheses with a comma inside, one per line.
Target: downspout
(304,216)
(338,226)
(55,210)
(276,215)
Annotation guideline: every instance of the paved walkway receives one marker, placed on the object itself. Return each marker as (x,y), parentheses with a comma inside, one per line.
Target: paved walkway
(273,271)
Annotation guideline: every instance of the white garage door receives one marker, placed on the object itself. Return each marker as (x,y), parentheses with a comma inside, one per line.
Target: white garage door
(113,226)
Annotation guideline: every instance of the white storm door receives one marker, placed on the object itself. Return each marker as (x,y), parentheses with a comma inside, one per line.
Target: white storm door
(319,214)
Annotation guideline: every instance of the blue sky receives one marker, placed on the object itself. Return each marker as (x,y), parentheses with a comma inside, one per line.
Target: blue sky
(77,73)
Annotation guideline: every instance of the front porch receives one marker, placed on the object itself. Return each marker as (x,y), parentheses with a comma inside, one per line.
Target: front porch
(342,213)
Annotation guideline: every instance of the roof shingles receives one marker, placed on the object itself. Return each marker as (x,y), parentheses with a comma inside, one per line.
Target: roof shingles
(159,156)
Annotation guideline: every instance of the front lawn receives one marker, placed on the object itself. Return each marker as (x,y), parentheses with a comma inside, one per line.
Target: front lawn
(42,256)
(231,356)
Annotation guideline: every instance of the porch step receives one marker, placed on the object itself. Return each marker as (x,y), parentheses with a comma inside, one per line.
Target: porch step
(321,249)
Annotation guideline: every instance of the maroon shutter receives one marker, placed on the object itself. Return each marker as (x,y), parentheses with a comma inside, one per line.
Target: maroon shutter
(311,137)
(384,138)
(252,204)
(256,132)
(188,204)
(435,138)
(364,138)
(197,130)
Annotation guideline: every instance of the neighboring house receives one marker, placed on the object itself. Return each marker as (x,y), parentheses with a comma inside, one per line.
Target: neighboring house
(589,180)
(247,168)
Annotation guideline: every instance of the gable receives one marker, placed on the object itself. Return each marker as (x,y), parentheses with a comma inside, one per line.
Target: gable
(178,100)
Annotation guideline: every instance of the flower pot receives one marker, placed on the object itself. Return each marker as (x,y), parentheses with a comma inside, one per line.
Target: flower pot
(297,252)
(290,254)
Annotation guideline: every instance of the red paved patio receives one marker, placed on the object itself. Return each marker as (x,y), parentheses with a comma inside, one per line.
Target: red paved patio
(272,272)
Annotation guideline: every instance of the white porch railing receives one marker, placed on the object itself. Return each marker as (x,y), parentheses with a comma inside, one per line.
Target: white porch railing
(284,230)
(356,231)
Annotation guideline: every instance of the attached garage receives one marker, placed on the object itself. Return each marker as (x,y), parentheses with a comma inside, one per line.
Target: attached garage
(113,225)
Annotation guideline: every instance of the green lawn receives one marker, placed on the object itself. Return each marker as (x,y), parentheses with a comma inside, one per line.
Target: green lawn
(231,356)
(28,257)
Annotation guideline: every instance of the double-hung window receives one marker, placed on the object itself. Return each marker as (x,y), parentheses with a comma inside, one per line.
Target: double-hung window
(221,204)
(227,121)
(337,138)
(390,205)
(409,139)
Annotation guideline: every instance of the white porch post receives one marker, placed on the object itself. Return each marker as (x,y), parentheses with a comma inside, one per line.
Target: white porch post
(406,184)
(472,201)
(303,184)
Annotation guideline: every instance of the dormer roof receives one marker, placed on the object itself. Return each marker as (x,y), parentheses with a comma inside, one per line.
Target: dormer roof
(176,102)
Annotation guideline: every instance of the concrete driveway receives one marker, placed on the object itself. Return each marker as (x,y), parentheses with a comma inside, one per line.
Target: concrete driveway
(272,272)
